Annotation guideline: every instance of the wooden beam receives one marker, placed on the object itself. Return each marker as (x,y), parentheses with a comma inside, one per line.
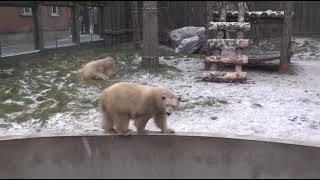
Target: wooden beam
(254,14)
(241,59)
(37,27)
(150,57)
(228,43)
(286,37)
(76,24)
(219,76)
(229,26)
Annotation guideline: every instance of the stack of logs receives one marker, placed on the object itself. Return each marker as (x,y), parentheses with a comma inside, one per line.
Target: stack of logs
(215,47)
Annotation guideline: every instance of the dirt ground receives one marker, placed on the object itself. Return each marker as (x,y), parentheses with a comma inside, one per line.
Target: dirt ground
(269,104)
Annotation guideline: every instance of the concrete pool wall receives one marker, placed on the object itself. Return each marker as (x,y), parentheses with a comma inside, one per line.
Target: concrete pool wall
(183,155)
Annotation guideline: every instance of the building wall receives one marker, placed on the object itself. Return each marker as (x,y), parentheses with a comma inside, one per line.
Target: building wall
(61,22)
(12,20)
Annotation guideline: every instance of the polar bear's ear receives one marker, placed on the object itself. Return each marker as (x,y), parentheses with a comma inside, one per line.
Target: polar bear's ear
(163,97)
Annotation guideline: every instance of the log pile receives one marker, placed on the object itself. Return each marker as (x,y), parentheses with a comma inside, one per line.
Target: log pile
(216,45)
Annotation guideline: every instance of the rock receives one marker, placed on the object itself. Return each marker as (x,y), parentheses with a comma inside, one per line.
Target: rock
(189,45)
(188,39)
(214,118)
(186,32)
(256,105)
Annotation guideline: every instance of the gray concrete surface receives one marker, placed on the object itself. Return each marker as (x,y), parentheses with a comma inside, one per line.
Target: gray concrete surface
(156,156)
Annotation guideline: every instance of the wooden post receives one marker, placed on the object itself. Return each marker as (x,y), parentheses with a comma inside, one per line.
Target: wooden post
(76,24)
(240,33)
(37,26)
(135,24)
(286,37)
(150,57)
(290,27)
(208,34)
(108,24)
(114,18)
(101,20)
(220,34)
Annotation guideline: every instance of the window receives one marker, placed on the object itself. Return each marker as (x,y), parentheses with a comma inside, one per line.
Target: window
(26,11)
(54,11)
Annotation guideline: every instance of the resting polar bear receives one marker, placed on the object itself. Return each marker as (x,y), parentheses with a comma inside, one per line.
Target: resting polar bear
(98,69)
(124,101)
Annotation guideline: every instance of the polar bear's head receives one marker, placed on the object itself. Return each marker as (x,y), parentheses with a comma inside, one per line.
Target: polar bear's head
(170,102)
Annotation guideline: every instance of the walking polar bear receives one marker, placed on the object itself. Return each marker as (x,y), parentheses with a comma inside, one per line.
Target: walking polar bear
(98,69)
(124,101)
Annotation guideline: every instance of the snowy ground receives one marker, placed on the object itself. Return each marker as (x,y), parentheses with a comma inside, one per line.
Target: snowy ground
(269,104)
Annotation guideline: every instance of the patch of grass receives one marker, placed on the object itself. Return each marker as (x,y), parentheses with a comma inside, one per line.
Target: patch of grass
(10,108)
(55,71)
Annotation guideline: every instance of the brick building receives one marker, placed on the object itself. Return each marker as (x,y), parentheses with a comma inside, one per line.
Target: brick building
(16,28)
(17,19)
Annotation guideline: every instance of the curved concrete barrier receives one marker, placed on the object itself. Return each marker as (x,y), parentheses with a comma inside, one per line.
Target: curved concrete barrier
(156,156)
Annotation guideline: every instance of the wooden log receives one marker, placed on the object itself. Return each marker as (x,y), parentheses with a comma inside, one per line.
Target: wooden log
(229,26)
(242,59)
(251,14)
(229,77)
(228,43)
(150,58)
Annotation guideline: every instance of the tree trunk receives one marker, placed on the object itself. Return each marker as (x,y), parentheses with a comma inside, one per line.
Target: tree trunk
(286,36)
(150,57)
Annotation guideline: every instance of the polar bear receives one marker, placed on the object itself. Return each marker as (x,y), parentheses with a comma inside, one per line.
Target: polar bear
(124,101)
(98,69)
